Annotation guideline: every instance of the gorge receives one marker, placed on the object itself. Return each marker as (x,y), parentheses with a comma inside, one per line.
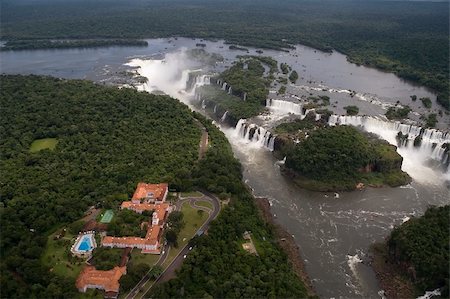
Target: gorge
(333,233)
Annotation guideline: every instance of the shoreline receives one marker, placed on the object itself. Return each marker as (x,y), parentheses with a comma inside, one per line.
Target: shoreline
(287,244)
(390,278)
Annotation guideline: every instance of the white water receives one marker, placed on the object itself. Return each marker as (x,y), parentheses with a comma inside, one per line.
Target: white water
(318,221)
(224,116)
(415,159)
(430,294)
(284,107)
(261,137)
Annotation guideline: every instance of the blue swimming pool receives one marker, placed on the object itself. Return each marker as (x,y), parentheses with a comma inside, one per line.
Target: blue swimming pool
(85,243)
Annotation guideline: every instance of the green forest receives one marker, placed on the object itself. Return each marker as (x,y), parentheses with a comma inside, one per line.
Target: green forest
(61,44)
(338,158)
(408,38)
(107,141)
(218,266)
(246,76)
(419,248)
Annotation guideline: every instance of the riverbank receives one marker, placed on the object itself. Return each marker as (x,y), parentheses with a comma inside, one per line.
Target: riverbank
(392,281)
(287,243)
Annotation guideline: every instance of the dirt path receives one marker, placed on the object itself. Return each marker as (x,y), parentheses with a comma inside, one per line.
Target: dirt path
(203,147)
(203,144)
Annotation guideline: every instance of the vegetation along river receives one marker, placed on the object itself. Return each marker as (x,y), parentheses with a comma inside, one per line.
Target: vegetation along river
(333,230)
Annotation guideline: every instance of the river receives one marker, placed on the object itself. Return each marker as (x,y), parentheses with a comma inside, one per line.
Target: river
(333,231)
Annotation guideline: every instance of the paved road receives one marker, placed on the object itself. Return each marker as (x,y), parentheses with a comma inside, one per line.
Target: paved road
(169,272)
(147,276)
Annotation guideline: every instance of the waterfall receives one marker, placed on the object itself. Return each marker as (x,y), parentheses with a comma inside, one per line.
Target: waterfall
(224,86)
(430,146)
(199,80)
(284,106)
(245,96)
(224,116)
(215,109)
(229,90)
(261,137)
(271,144)
(203,104)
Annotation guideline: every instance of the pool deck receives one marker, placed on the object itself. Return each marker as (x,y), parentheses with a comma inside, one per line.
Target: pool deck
(83,253)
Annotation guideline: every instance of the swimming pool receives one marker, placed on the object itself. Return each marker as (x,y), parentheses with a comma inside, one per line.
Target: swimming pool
(84,245)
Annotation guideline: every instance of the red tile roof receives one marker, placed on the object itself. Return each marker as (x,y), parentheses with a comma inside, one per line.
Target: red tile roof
(143,189)
(106,280)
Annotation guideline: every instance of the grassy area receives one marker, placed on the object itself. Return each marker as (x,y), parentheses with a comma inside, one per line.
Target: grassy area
(137,257)
(57,256)
(193,222)
(191,194)
(45,143)
(205,204)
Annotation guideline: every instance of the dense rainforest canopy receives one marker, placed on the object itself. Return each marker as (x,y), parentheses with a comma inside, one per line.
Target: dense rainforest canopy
(218,266)
(108,140)
(337,158)
(420,247)
(409,38)
(97,143)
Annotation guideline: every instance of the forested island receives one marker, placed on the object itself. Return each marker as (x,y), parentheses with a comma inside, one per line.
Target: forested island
(70,144)
(415,257)
(323,158)
(241,89)
(413,41)
(62,44)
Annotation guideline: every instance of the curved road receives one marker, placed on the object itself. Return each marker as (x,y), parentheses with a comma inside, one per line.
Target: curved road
(169,272)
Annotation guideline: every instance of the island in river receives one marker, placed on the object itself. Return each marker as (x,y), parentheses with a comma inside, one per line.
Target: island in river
(341,158)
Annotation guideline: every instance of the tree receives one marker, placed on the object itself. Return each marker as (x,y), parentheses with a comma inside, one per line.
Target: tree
(175,221)
(171,237)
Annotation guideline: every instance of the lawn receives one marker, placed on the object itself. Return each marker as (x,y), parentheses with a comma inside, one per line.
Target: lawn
(137,257)
(191,194)
(41,144)
(193,221)
(58,257)
(206,204)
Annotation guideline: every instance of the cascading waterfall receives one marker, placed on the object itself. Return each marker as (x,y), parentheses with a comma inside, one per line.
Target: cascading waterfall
(284,106)
(200,80)
(245,96)
(230,90)
(431,139)
(224,86)
(224,116)
(215,109)
(203,104)
(260,138)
